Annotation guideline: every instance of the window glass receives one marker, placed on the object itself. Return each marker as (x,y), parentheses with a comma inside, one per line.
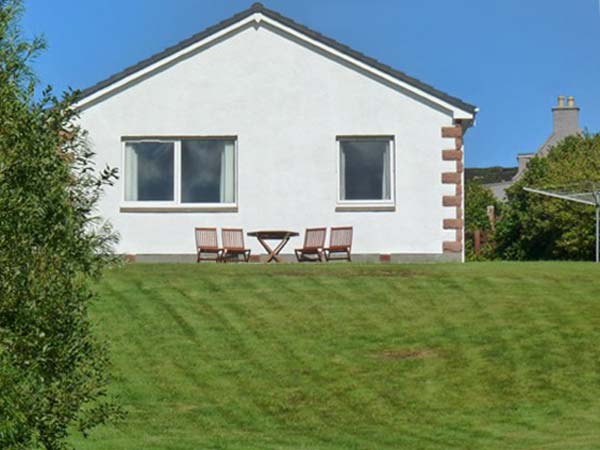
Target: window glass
(149,171)
(207,171)
(365,169)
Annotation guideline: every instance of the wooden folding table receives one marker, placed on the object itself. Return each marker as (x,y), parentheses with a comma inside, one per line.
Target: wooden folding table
(282,236)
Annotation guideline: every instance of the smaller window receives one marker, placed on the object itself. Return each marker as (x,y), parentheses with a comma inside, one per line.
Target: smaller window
(365,167)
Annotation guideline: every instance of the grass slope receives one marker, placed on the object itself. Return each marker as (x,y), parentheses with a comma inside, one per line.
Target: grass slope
(476,356)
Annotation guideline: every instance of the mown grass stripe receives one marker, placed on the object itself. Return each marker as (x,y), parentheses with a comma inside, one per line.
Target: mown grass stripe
(327,357)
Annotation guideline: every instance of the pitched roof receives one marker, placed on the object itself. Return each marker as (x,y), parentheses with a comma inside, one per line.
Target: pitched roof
(259,8)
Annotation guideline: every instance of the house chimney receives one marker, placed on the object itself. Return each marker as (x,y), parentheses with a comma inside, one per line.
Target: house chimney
(566,118)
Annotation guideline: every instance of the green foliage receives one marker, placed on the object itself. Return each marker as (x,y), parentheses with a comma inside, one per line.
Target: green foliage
(537,227)
(53,371)
(477,200)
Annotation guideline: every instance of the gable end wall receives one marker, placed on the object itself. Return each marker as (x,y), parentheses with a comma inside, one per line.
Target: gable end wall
(255,85)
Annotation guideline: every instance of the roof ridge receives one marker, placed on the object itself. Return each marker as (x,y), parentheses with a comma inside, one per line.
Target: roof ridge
(167,51)
(369,60)
(260,8)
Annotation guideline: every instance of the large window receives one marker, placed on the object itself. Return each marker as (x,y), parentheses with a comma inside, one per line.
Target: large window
(366,170)
(180,172)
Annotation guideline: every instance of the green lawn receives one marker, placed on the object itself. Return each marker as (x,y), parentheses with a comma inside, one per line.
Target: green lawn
(475,356)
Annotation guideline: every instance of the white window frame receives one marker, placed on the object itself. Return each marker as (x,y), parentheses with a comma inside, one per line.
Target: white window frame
(366,205)
(176,205)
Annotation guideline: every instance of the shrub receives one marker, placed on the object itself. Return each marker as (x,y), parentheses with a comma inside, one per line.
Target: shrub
(477,200)
(53,371)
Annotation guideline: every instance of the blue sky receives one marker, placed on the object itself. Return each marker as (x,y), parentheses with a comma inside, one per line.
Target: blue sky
(511,58)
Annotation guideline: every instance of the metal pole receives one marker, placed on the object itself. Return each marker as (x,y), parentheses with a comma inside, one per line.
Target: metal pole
(598,233)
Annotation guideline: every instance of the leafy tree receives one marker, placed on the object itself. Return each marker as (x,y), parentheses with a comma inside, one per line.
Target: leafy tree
(53,371)
(538,227)
(477,200)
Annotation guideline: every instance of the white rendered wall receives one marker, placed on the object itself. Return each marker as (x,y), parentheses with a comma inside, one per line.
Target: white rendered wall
(286,103)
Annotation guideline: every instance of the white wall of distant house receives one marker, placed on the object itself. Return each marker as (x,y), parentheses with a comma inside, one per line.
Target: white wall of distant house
(286,104)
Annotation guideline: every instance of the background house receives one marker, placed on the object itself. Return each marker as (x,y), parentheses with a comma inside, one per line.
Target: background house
(262,123)
(565,123)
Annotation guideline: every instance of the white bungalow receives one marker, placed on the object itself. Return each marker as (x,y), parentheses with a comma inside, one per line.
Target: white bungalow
(261,123)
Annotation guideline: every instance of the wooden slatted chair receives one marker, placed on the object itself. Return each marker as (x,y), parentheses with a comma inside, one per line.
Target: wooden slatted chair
(340,244)
(207,244)
(233,244)
(314,241)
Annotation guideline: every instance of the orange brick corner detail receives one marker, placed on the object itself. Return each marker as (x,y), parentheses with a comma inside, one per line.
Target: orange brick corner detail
(455,155)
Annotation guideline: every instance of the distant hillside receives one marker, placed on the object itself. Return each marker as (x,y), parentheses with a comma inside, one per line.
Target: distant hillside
(490,174)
